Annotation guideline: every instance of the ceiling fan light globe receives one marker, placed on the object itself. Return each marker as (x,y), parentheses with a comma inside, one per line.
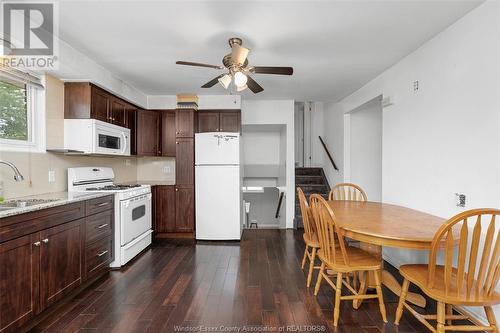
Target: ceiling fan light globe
(240,79)
(238,89)
(225,81)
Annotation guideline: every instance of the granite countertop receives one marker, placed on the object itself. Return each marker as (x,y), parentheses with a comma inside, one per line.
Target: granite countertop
(57,199)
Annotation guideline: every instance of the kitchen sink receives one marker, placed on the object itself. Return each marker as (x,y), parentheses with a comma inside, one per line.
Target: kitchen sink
(11,204)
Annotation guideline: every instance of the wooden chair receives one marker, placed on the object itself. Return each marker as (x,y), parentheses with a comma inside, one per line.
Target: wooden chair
(347,191)
(342,259)
(468,277)
(310,237)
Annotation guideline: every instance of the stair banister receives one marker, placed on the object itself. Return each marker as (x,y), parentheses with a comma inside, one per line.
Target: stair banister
(328,153)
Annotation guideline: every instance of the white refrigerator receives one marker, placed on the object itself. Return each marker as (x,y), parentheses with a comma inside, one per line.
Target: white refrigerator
(218,186)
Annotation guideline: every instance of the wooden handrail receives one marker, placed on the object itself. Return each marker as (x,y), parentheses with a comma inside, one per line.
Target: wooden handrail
(279,205)
(328,153)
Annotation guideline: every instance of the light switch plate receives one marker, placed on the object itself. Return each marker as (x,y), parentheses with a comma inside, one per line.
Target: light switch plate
(52,176)
(166,169)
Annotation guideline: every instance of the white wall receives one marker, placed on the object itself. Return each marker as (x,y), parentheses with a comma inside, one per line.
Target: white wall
(261,147)
(334,139)
(365,148)
(263,207)
(276,112)
(445,137)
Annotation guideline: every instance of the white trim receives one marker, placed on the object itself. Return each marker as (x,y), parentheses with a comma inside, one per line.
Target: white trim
(36,122)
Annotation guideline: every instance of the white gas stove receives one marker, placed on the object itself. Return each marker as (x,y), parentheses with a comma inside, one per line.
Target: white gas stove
(133,224)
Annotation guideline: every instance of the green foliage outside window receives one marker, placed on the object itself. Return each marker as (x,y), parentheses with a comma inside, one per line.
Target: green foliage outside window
(13,112)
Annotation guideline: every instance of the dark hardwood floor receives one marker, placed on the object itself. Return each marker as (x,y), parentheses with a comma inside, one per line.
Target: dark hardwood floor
(177,283)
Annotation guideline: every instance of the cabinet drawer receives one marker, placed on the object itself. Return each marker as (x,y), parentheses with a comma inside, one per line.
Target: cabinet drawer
(98,255)
(99,205)
(98,226)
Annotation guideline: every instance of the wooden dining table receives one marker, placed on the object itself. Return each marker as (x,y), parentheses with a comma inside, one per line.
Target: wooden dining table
(377,224)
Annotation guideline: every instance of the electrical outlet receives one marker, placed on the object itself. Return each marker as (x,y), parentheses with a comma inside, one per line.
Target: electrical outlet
(461,199)
(52,176)
(415,86)
(166,169)
(127,162)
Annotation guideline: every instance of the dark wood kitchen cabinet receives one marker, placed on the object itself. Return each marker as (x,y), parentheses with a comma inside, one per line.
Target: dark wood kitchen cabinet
(168,133)
(61,257)
(184,162)
(164,211)
(208,121)
(148,133)
(184,208)
(100,103)
(185,124)
(19,282)
(42,258)
(230,121)
(219,121)
(117,112)
(83,100)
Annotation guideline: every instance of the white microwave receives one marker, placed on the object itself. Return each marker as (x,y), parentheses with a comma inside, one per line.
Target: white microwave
(91,136)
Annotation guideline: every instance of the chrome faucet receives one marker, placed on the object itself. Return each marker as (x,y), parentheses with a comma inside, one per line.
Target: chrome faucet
(17,175)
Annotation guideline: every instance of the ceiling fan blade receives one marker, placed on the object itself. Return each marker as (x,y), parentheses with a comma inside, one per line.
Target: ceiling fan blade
(272,70)
(197,64)
(212,82)
(253,86)
(239,54)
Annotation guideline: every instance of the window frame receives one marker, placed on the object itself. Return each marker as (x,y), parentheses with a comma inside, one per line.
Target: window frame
(35,103)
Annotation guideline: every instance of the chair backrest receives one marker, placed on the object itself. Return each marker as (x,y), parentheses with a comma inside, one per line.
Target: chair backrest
(472,263)
(347,191)
(305,210)
(327,230)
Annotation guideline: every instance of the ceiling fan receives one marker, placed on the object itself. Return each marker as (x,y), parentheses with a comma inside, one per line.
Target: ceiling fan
(238,70)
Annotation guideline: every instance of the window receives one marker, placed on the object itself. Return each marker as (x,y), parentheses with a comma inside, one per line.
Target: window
(14,117)
(22,116)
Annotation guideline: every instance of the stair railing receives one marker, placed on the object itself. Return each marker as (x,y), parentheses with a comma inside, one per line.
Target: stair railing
(280,201)
(328,153)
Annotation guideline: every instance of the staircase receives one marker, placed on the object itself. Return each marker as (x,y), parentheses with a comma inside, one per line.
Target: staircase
(310,180)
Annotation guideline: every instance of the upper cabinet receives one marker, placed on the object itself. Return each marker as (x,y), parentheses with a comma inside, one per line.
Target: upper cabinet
(148,133)
(83,100)
(219,121)
(168,133)
(185,123)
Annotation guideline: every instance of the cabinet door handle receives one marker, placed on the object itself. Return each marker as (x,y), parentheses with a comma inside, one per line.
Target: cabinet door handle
(102,226)
(176,142)
(100,254)
(103,204)
(46,240)
(37,243)
(176,189)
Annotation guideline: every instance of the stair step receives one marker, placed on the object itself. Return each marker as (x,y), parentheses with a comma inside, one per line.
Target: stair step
(315,188)
(308,171)
(307,179)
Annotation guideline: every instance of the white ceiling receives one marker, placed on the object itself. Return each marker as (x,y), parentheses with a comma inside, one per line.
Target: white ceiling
(335,47)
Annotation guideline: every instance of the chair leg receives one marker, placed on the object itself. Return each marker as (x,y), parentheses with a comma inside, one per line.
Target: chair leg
(449,312)
(320,277)
(441,316)
(381,304)
(362,289)
(491,318)
(305,257)
(311,266)
(402,299)
(338,294)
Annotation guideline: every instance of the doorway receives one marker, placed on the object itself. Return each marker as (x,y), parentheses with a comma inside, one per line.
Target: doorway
(364,148)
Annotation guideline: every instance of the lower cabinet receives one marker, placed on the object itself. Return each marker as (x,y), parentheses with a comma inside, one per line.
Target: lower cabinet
(174,210)
(60,259)
(47,255)
(19,282)
(184,208)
